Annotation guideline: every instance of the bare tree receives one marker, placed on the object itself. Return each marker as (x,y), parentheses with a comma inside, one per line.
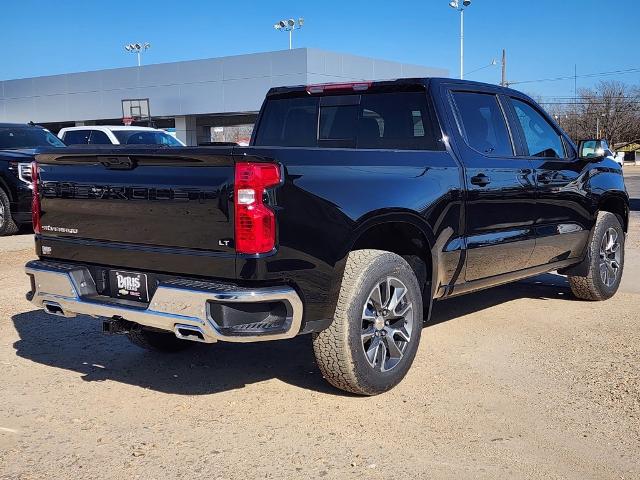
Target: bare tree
(611,110)
(613,107)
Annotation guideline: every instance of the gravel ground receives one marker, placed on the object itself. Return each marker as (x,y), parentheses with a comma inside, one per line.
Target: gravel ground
(520,381)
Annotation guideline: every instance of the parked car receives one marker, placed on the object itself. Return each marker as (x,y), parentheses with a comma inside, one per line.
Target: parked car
(18,144)
(117,135)
(355,207)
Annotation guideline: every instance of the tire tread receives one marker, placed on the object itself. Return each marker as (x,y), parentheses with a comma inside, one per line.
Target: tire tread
(10,227)
(331,346)
(587,287)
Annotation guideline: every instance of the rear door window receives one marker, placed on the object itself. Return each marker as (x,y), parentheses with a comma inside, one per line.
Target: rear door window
(399,120)
(77,137)
(98,137)
(483,122)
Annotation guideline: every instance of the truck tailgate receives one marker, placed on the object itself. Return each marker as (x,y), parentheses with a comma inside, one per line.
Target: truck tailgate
(169,201)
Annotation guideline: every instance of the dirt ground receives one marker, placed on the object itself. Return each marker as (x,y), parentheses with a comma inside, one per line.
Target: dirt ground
(520,381)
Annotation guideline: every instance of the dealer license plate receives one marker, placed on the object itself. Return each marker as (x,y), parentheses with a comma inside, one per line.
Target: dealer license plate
(129,285)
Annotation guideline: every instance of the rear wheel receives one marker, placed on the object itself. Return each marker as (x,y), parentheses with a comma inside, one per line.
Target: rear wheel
(157,341)
(606,261)
(376,329)
(7,225)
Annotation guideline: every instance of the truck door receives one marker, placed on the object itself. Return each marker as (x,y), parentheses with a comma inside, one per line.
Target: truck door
(500,197)
(563,218)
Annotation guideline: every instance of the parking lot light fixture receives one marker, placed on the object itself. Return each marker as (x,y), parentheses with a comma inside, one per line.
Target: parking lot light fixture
(138,49)
(289,25)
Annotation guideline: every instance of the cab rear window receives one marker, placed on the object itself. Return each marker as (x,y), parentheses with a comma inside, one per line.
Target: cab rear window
(399,121)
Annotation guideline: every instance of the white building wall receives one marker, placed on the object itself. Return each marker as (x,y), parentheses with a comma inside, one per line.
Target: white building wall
(234,84)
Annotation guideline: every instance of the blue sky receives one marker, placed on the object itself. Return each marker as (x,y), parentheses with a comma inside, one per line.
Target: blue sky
(543,38)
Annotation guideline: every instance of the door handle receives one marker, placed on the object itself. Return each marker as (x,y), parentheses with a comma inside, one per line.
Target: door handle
(481,180)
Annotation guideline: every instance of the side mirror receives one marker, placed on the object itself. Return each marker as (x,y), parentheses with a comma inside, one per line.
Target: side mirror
(592,149)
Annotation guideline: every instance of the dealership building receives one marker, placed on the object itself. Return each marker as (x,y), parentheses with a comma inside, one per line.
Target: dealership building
(215,99)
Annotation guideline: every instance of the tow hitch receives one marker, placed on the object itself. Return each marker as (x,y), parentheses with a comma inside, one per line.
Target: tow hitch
(118,326)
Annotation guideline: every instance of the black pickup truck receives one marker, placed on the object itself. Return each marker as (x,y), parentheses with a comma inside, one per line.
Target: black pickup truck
(353,209)
(18,145)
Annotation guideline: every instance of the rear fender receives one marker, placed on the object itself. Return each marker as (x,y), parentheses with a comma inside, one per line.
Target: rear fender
(380,218)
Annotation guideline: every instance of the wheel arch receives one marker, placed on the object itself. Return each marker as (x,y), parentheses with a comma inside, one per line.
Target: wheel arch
(615,204)
(618,204)
(403,233)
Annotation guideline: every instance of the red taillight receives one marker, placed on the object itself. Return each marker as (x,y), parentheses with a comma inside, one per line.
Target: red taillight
(255,221)
(35,201)
(324,87)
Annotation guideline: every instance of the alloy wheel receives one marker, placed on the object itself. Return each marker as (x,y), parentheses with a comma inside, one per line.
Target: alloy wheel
(610,255)
(387,324)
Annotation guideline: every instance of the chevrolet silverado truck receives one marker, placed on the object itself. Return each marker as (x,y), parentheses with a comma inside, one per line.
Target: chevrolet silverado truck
(355,207)
(18,144)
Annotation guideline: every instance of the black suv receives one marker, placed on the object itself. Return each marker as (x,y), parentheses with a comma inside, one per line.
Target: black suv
(18,144)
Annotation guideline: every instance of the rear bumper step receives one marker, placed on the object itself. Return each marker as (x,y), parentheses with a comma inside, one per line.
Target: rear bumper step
(185,307)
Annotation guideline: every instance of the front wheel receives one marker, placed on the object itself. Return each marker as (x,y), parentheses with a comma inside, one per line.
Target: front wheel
(606,261)
(376,329)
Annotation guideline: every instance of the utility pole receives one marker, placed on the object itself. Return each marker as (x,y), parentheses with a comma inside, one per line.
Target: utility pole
(504,82)
(575,102)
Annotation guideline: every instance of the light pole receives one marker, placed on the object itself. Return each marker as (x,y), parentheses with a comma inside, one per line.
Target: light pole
(137,48)
(455,4)
(289,26)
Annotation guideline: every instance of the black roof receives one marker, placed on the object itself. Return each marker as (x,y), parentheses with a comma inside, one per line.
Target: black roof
(400,83)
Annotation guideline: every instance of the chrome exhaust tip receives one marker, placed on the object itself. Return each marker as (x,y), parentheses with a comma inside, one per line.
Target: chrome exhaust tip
(190,332)
(53,308)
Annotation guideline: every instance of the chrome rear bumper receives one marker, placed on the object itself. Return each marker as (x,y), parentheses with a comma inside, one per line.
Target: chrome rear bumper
(180,306)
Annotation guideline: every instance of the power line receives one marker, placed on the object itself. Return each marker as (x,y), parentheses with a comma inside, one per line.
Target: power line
(572,77)
(585,103)
(612,97)
(590,101)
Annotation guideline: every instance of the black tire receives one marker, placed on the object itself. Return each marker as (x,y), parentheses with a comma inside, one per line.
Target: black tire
(593,286)
(340,350)
(7,225)
(157,341)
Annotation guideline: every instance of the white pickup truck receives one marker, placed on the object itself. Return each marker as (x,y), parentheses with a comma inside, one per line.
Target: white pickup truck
(117,135)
